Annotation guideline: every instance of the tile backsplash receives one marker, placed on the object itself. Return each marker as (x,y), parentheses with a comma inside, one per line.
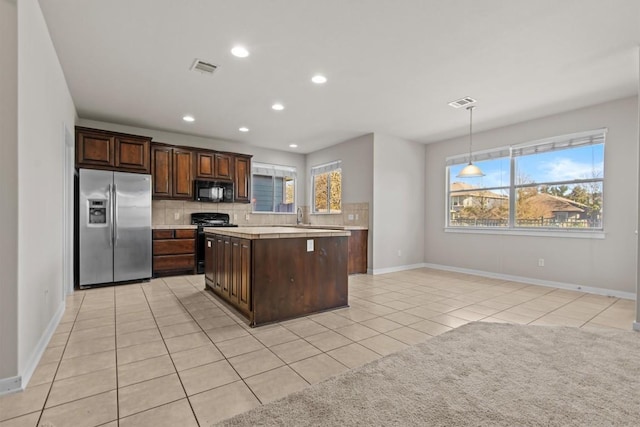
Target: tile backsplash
(352,214)
(178,212)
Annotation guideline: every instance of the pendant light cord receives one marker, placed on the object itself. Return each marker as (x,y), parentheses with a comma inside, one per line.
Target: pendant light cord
(470,131)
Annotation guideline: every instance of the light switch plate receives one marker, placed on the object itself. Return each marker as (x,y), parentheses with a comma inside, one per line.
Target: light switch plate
(209,244)
(350,217)
(310,245)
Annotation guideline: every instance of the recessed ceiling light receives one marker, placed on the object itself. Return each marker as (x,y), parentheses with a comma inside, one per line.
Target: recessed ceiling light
(293,145)
(188,119)
(243,129)
(278,107)
(240,52)
(319,79)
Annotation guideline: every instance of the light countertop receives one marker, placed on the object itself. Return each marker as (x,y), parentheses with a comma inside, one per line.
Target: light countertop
(275,232)
(332,227)
(174,227)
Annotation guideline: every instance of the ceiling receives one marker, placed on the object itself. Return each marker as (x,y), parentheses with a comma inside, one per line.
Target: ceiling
(392,66)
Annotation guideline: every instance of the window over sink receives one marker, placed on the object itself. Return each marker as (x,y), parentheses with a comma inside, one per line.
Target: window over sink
(273,188)
(327,188)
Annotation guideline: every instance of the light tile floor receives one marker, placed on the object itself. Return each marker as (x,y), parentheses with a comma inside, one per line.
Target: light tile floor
(167,353)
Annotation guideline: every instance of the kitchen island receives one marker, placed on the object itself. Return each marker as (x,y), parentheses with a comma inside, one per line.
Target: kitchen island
(276,273)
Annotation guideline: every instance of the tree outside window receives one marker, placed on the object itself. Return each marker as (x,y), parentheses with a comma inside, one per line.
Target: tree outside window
(327,189)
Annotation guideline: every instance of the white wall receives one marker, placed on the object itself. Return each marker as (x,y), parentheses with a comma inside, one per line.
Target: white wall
(608,263)
(399,203)
(44,106)
(357,174)
(263,155)
(636,325)
(9,189)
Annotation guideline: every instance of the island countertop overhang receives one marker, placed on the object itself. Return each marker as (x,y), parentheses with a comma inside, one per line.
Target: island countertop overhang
(255,233)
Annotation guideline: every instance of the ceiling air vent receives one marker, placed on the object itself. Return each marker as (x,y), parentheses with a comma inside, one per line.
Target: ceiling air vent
(458,103)
(203,67)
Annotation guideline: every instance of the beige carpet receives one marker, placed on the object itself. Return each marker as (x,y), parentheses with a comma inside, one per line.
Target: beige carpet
(481,374)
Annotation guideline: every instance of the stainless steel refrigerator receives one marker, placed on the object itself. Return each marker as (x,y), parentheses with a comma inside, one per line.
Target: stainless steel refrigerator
(114,227)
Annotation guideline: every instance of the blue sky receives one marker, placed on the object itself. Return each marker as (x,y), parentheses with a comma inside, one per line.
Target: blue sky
(561,165)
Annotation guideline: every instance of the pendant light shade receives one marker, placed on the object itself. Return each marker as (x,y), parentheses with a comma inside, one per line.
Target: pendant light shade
(471,170)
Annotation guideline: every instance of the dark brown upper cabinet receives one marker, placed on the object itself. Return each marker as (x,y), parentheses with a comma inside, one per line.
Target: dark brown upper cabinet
(242,179)
(205,165)
(98,149)
(172,170)
(224,166)
(214,166)
(132,154)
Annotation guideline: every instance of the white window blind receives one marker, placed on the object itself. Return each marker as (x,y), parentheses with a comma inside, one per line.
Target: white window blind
(560,142)
(327,167)
(479,156)
(273,170)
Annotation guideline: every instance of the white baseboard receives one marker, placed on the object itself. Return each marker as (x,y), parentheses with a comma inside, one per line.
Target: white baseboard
(395,269)
(10,385)
(532,281)
(37,353)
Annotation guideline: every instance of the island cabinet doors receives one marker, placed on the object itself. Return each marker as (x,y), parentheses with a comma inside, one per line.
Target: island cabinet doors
(222,255)
(228,269)
(241,274)
(209,258)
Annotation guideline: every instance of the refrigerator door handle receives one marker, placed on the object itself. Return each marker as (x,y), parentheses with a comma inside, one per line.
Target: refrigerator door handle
(110,213)
(115,215)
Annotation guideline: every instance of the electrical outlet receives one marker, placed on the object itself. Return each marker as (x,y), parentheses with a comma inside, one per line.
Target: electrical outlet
(176,215)
(235,217)
(399,252)
(246,217)
(310,245)
(350,217)
(356,217)
(540,262)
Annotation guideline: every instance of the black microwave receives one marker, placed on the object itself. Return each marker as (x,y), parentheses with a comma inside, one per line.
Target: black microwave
(213,191)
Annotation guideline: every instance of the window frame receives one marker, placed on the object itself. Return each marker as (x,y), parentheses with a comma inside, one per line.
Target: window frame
(326,168)
(275,171)
(594,137)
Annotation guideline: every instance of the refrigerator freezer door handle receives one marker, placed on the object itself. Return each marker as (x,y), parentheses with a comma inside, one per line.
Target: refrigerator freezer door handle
(110,213)
(115,215)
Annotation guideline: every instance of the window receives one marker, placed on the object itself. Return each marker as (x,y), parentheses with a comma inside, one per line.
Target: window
(273,188)
(556,183)
(327,187)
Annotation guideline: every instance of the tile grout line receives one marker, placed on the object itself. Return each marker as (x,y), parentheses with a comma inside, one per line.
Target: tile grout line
(115,337)
(223,355)
(60,361)
(169,354)
(180,301)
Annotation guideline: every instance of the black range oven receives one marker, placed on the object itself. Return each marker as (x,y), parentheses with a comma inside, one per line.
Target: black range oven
(207,219)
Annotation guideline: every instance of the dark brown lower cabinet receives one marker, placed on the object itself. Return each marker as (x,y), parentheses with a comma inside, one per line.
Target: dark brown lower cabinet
(358,251)
(209,258)
(269,280)
(174,252)
(241,258)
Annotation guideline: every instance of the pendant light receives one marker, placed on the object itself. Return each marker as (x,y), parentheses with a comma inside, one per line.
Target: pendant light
(471,170)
